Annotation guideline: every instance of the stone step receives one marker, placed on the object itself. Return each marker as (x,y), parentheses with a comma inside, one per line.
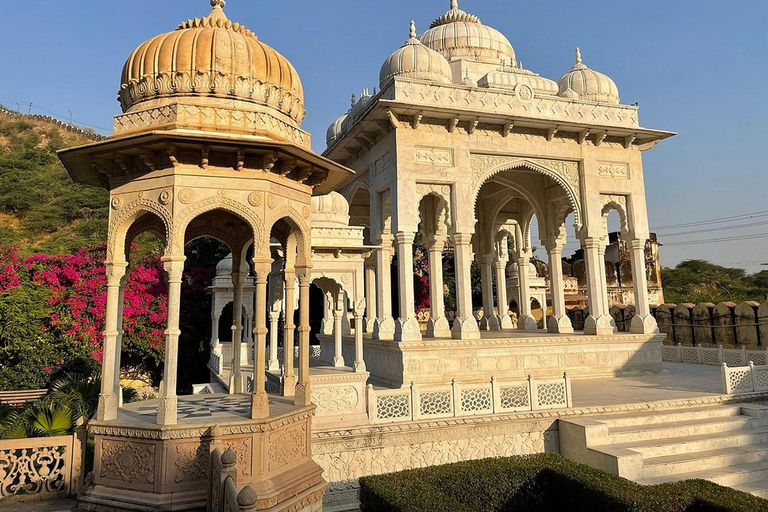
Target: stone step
(690,462)
(702,442)
(729,476)
(668,415)
(759,489)
(685,428)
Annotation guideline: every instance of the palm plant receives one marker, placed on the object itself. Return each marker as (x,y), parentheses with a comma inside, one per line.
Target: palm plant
(77,392)
(50,419)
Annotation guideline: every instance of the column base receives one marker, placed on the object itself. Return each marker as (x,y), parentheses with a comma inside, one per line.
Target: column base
(338,362)
(360,367)
(600,326)
(407,330)
(369,325)
(561,325)
(167,411)
(108,405)
(302,396)
(506,322)
(384,329)
(644,325)
(289,385)
(273,365)
(326,327)
(465,329)
(527,323)
(438,328)
(259,405)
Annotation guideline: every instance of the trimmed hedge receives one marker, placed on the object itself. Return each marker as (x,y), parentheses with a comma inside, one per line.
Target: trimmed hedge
(541,482)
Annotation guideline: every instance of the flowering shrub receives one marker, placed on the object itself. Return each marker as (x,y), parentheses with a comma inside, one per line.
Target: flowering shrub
(52,315)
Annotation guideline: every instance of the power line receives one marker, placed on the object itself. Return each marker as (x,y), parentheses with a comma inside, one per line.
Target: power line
(720,220)
(717,240)
(722,228)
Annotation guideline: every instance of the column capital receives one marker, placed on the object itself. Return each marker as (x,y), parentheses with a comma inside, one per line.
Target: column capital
(116,272)
(174,265)
(592,243)
(555,248)
(637,243)
(462,238)
(404,237)
(434,243)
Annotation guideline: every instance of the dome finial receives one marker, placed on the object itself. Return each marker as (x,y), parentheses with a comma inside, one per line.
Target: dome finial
(218,4)
(413,29)
(454,5)
(578,55)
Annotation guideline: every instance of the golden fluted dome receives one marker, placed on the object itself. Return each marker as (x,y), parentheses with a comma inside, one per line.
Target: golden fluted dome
(587,84)
(211,57)
(458,34)
(414,60)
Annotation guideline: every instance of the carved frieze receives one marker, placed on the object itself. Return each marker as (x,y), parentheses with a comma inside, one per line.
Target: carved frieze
(613,170)
(192,461)
(434,156)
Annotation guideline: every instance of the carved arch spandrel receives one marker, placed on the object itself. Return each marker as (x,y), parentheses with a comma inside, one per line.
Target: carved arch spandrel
(565,173)
(210,204)
(124,219)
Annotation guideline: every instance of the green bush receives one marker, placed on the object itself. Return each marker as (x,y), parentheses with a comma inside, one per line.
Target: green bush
(539,483)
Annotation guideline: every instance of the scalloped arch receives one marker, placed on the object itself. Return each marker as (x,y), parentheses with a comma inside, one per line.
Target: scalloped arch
(122,222)
(512,163)
(218,203)
(304,231)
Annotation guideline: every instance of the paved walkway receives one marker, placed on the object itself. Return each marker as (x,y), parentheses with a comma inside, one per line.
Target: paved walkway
(677,381)
(43,506)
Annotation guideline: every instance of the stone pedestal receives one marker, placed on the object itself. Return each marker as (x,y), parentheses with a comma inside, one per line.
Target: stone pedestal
(140,466)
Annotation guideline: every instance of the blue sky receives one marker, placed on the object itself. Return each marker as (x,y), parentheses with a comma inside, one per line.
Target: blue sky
(699,68)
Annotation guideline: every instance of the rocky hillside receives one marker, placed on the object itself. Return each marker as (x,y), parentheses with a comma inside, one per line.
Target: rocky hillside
(41,210)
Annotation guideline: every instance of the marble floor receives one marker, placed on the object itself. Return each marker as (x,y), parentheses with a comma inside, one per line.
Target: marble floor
(676,381)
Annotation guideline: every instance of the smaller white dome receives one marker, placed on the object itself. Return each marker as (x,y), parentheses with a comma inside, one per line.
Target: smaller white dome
(588,84)
(224,268)
(330,210)
(509,77)
(334,130)
(532,272)
(414,60)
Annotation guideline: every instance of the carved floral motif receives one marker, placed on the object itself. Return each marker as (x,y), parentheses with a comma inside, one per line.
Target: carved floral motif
(192,463)
(336,399)
(130,462)
(28,471)
(287,445)
(434,156)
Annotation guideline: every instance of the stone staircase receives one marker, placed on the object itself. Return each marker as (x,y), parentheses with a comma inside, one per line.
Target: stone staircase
(726,444)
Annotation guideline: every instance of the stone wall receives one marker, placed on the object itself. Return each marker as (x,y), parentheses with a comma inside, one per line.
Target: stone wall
(706,324)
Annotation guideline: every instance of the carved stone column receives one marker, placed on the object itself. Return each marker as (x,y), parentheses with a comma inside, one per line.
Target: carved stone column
(437,326)
(273,365)
(490,321)
(384,328)
(599,322)
(359,361)
(500,269)
(407,325)
(289,375)
(302,396)
(526,320)
(167,408)
(338,356)
(236,377)
(559,321)
(643,322)
(259,399)
(465,326)
(370,294)
(110,385)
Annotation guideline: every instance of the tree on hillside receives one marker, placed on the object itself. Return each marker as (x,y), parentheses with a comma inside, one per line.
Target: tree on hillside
(701,281)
